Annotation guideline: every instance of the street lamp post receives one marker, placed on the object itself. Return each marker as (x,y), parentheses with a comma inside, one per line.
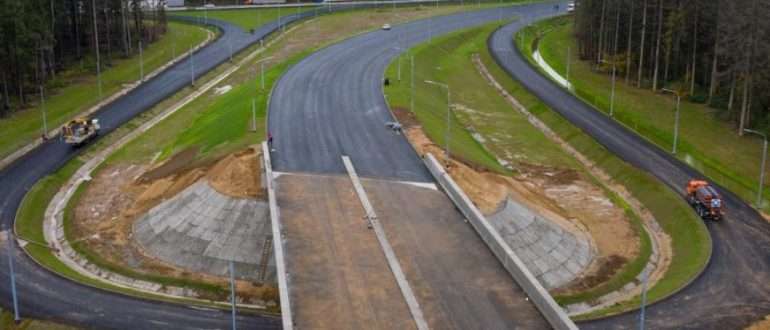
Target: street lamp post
(448,116)
(411,78)
(612,94)
(676,117)
(141,62)
(262,71)
(42,109)
(762,170)
(644,300)
(192,67)
(569,58)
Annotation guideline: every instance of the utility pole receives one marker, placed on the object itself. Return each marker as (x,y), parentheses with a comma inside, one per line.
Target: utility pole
(762,170)
(448,117)
(42,109)
(612,94)
(192,67)
(676,117)
(644,300)
(14,296)
(569,58)
(232,291)
(253,114)
(141,62)
(411,101)
(96,43)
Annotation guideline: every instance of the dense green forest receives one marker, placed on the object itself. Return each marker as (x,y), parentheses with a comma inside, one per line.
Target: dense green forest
(41,38)
(713,51)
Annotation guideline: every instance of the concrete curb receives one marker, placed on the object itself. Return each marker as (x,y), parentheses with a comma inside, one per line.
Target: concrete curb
(280,261)
(93,109)
(554,314)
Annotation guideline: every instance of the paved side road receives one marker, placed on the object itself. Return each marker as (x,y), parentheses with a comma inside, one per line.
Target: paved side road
(733,291)
(45,295)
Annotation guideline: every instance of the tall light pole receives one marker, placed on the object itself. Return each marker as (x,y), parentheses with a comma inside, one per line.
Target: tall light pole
(42,109)
(612,94)
(9,236)
(262,70)
(141,62)
(411,73)
(96,43)
(448,115)
(569,59)
(232,291)
(762,171)
(192,67)
(644,300)
(676,116)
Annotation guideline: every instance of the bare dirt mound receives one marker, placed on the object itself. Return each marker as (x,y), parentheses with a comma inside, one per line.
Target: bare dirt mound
(558,194)
(119,194)
(237,175)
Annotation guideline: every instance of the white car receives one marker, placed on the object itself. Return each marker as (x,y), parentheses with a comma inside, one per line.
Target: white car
(386,27)
(209,5)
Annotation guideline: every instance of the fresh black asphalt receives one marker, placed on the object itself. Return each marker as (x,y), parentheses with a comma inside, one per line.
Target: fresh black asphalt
(43,294)
(331,103)
(734,290)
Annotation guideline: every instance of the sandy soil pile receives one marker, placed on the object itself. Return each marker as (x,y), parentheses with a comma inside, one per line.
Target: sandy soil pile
(119,194)
(561,195)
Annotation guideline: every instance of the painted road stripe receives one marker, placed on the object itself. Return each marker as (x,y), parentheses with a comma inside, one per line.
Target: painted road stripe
(406,290)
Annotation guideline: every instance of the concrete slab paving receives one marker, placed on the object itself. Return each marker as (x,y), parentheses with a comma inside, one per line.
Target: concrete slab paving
(554,255)
(203,230)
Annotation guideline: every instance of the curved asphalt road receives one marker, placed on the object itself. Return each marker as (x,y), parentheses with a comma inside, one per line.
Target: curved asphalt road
(48,296)
(735,288)
(331,103)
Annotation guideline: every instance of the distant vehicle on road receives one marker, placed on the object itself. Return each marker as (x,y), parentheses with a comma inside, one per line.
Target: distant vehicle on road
(704,199)
(386,27)
(209,5)
(570,7)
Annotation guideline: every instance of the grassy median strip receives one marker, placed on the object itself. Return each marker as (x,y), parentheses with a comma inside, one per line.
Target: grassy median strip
(706,142)
(75,90)
(691,242)
(448,60)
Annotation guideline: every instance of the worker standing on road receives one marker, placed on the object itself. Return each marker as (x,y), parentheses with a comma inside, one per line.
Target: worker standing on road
(270,141)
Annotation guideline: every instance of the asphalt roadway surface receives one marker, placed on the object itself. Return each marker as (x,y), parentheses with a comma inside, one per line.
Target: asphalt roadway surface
(734,290)
(331,103)
(45,295)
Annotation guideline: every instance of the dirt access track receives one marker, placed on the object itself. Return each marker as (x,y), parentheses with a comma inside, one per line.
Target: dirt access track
(340,278)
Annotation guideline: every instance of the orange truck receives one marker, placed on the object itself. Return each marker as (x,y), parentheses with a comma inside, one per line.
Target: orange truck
(705,200)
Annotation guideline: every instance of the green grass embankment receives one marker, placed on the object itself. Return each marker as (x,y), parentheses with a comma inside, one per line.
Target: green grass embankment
(448,60)
(709,144)
(691,242)
(75,90)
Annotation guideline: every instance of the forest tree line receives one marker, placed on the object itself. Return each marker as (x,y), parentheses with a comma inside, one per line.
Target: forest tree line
(712,51)
(41,38)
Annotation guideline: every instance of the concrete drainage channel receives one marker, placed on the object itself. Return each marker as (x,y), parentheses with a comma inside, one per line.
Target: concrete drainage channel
(542,300)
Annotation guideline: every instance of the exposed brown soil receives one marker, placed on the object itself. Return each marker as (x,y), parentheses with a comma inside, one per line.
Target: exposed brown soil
(761,325)
(561,195)
(119,194)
